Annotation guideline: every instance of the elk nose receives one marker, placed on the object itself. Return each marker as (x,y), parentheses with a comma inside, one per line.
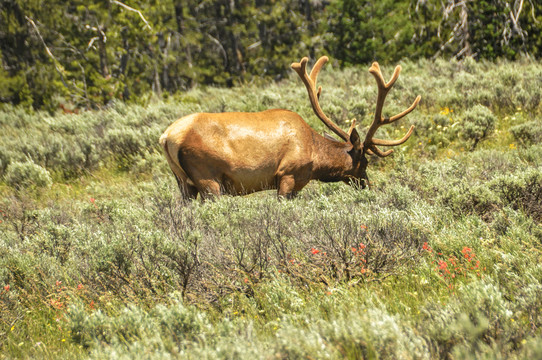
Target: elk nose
(361,182)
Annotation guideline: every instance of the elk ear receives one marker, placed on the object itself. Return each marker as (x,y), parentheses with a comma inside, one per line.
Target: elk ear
(352,127)
(355,139)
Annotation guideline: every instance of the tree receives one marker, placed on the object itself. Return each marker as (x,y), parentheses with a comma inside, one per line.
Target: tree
(89,53)
(364,31)
(484,29)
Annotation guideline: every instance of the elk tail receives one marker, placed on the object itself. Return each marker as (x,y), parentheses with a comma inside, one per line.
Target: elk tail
(178,171)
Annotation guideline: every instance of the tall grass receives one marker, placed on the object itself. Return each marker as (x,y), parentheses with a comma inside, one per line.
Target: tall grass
(101,258)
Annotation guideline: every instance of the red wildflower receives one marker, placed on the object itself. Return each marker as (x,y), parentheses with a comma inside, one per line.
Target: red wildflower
(442,264)
(314,251)
(58,283)
(80,286)
(92,200)
(362,246)
(6,288)
(363,227)
(57,304)
(467,252)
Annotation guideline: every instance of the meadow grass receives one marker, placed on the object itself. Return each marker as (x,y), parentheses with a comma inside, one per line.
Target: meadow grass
(101,258)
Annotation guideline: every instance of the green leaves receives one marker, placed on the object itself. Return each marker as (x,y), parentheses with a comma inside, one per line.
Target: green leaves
(112,50)
(477,124)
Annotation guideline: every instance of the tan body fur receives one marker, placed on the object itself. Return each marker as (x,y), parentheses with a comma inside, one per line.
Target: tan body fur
(240,153)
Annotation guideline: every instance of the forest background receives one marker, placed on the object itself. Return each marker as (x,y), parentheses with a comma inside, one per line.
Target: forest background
(86,54)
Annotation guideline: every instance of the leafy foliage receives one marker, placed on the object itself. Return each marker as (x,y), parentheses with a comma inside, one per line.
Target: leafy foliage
(441,258)
(26,174)
(87,55)
(477,123)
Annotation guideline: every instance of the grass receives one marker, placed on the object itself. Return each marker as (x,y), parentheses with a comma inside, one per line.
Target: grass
(100,258)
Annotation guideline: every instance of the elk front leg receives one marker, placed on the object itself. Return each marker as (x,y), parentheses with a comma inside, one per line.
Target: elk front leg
(289,186)
(286,187)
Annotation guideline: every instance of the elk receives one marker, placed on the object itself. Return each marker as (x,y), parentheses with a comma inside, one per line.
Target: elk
(241,152)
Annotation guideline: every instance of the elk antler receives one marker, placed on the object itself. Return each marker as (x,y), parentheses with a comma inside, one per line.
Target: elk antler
(314,95)
(370,143)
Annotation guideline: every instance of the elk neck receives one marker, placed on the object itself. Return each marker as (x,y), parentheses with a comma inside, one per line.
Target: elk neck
(330,159)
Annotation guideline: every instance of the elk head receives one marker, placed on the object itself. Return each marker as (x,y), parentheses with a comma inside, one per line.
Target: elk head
(356,148)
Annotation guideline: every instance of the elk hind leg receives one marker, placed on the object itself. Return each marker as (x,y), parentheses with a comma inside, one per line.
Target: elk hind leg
(208,188)
(187,191)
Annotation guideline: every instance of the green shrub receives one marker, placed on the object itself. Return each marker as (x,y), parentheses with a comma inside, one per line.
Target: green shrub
(27,174)
(473,199)
(477,124)
(336,272)
(480,313)
(132,324)
(124,142)
(528,133)
(349,335)
(521,190)
(6,157)
(532,155)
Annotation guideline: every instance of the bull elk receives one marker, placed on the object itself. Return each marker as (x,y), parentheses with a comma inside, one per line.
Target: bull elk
(239,153)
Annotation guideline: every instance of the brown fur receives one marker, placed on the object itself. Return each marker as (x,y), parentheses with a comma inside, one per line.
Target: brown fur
(240,153)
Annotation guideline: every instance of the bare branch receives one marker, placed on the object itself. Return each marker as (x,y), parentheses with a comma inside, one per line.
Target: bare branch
(91,42)
(222,50)
(515,20)
(532,12)
(134,10)
(48,51)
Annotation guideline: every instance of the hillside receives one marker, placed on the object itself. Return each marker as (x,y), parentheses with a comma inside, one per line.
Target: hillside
(101,258)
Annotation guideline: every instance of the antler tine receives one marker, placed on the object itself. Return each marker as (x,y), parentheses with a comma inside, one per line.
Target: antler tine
(377,151)
(377,73)
(383,89)
(314,94)
(394,142)
(405,112)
